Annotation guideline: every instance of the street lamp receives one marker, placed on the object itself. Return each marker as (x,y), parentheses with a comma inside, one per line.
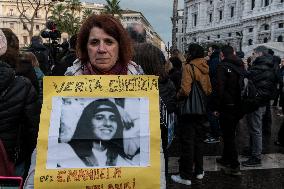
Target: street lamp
(168,49)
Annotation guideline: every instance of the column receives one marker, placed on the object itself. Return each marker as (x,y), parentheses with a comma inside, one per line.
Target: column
(272,32)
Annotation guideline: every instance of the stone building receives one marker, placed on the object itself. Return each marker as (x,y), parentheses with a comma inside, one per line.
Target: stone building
(244,24)
(9,18)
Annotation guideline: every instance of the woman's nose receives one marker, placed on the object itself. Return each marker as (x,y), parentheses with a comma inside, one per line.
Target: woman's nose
(102,47)
(107,122)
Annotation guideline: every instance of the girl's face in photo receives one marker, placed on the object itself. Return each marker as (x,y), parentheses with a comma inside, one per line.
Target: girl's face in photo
(104,125)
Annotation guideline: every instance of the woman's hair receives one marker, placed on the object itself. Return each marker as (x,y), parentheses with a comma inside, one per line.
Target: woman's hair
(12,54)
(195,51)
(31,57)
(112,27)
(83,138)
(151,59)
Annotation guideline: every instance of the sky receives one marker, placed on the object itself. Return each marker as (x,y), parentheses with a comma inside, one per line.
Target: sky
(157,12)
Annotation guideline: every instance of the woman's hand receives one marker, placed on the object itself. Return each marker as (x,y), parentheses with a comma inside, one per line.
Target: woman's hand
(131,133)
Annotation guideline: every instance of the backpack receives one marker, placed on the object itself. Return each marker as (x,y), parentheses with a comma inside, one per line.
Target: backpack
(248,90)
(196,102)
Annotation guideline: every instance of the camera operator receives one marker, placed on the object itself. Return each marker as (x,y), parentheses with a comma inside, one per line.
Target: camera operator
(68,59)
(42,54)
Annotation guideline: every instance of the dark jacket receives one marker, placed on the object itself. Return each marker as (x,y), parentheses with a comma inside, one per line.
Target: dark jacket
(19,113)
(175,76)
(228,88)
(167,92)
(65,62)
(213,63)
(42,54)
(264,77)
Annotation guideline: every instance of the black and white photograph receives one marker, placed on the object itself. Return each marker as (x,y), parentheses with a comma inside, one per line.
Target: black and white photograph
(98,132)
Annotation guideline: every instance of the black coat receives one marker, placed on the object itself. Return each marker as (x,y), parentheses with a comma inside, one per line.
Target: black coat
(227,87)
(264,76)
(167,92)
(19,113)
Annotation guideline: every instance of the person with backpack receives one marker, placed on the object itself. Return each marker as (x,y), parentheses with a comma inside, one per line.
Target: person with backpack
(264,78)
(192,126)
(19,109)
(228,106)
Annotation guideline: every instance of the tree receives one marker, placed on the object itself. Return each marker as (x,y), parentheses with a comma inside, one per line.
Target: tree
(67,17)
(34,7)
(113,8)
(86,14)
(174,22)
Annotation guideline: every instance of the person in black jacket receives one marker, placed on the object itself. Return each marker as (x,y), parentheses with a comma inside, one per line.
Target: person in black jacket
(67,60)
(228,106)
(264,77)
(19,108)
(176,72)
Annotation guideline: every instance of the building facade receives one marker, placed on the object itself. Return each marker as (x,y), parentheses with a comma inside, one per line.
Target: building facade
(243,24)
(10,18)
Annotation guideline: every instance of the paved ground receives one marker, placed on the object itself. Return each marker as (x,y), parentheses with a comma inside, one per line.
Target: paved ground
(269,176)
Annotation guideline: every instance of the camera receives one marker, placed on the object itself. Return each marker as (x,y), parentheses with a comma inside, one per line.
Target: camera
(52,33)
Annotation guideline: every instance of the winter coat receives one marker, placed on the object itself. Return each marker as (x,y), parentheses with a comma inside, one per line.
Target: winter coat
(175,75)
(227,87)
(167,92)
(19,113)
(213,63)
(66,61)
(201,71)
(264,77)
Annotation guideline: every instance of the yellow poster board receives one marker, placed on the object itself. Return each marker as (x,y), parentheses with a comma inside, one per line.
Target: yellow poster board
(99,132)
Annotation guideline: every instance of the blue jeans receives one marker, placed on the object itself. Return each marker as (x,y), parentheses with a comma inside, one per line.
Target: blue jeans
(214,124)
(254,121)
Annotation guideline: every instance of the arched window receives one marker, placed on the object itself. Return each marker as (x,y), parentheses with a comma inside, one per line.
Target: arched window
(265,40)
(280,38)
(266,27)
(250,42)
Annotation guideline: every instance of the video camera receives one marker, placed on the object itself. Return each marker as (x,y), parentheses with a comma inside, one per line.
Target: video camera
(52,33)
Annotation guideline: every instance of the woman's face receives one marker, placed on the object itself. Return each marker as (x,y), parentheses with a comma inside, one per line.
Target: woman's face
(102,49)
(104,125)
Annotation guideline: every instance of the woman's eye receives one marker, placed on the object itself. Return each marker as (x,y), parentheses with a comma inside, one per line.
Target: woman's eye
(95,42)
(109,41)
(99,117)
(113,118)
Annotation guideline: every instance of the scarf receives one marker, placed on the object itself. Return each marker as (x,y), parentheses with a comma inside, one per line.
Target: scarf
(117,69)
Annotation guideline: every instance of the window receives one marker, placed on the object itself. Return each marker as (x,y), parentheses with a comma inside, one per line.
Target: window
(252,4)
(280,39)
(265,40)
(210,17)
(220,15)
(37,27)
(250,30)
(36,14)
(12,25)
(282,1)
(25,27)
(266,3)
(208,37)
(11,12)
(230,34)
(194,39)
(280,25)
(176,29)
(211,2)
(266,27)
(194,19)
(250,42)
(25,38)
(232,11)
(218,36)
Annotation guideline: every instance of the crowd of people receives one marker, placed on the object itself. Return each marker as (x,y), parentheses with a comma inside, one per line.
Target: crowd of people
(235,88)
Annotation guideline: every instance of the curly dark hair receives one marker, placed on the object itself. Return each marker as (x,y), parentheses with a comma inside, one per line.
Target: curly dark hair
(195,51)
(112,27)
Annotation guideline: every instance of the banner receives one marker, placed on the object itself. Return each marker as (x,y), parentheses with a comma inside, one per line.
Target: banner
(99,132)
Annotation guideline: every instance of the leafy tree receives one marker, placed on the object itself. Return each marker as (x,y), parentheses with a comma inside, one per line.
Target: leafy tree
(34,7)
(113,8)
(86,13)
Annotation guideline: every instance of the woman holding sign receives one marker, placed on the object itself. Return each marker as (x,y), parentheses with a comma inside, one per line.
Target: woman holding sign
(104,48)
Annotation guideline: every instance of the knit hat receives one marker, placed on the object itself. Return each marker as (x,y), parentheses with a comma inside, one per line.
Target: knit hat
(3,43)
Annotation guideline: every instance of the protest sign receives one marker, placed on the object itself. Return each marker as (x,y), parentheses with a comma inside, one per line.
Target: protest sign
(99,132)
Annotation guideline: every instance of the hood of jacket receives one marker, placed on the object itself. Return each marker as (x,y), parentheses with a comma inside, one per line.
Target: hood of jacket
(201,63)
(262,62)
(238,62)
(7,75)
